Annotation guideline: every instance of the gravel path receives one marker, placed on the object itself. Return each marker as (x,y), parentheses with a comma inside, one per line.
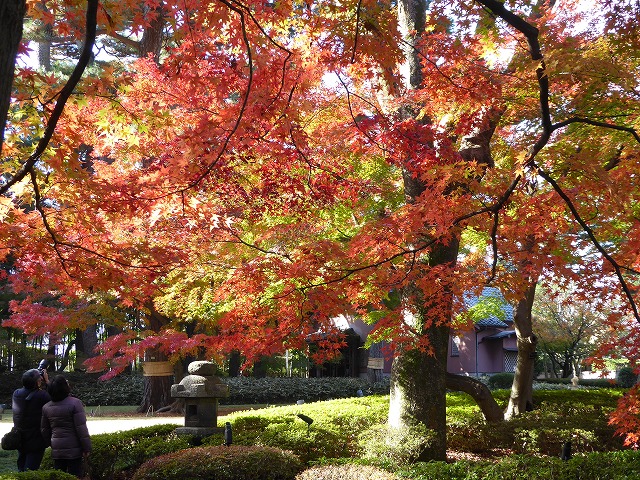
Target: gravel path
(99,425)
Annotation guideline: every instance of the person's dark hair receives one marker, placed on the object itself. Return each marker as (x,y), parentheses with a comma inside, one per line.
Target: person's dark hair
(30,379)
(59,388)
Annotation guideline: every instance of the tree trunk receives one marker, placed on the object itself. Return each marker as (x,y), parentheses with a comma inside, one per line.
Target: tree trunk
(151,41)
(64,361)
(157,389)
(418,391)
(521,398)
(86,343)
(554,365)
(567,368)
(156,394)
(418,379)
(12,14)
(235,362)
(45,40)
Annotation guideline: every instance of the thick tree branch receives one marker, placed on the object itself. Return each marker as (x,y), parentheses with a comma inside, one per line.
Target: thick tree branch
(480,393)
(528,30)
(531,34)
(357,34)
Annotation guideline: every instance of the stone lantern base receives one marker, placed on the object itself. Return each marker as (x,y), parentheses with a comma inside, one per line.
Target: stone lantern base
(200,391)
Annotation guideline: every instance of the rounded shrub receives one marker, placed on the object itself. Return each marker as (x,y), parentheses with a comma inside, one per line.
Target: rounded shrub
(626,377)
(235,462)
(500,381)
(346,472)
(395,446)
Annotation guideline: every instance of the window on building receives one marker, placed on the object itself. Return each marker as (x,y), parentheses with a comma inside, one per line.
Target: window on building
(455,346)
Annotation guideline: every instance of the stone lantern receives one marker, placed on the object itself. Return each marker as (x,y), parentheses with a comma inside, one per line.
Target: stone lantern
(200,390)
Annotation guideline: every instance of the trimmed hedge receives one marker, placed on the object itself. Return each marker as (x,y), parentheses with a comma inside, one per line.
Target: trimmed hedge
(222,463)
(127,389)
(584,382)
(123,390)
(274,390)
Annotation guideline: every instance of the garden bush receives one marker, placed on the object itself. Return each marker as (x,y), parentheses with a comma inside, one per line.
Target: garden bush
(577,415)
(339,426)
(346,472)
(626,377)
(500,381)
(333,433)
(113,454)
(545,429)
(605,398)
(38,475)
(475,435)
(124,451)
(222,463)
(623,465)
(397,446)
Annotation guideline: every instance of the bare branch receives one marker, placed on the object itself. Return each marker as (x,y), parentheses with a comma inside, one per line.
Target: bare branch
(357,34)
(596,123)
(587,229)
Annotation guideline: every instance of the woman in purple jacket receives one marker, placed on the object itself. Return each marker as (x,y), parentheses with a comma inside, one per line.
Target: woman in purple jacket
(64,427)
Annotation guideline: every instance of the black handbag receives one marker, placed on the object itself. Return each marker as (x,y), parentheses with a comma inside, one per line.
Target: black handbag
(11,440)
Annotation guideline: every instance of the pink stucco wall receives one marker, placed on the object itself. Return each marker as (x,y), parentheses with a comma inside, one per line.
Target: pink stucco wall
(477,355)
(490,353)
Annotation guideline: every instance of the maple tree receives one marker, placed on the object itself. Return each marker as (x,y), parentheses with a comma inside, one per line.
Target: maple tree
(270,166)
(567,329)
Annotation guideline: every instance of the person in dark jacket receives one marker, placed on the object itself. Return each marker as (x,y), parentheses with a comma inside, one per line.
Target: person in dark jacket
(64,427)
(27,403)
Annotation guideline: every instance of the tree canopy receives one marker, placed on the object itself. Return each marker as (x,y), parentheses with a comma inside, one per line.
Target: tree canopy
(254,169)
